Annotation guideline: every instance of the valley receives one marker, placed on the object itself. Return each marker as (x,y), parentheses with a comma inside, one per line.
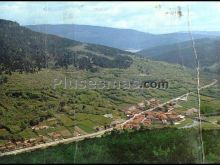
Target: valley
(75,93)
(162,114)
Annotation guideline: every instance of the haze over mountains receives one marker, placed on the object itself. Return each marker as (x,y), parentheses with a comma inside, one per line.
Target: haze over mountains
(209,33)
(125,39)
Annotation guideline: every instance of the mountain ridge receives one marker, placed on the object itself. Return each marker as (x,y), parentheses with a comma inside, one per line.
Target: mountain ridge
(124,39)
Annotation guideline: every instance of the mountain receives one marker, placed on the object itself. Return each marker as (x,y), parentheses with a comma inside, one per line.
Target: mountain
(210,33)
(25,50)
(125,39)
(182,53)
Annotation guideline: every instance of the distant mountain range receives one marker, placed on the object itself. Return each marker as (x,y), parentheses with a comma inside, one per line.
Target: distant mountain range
(125,39)
(208,33)
(25,50)
(208,50)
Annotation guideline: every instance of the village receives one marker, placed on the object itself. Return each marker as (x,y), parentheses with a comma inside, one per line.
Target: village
(26,143)
(13,145)
(137,115)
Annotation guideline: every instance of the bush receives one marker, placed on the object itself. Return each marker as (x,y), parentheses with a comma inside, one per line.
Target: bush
(3,79)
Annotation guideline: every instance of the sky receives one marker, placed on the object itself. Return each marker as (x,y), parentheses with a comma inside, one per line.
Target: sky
(153,17)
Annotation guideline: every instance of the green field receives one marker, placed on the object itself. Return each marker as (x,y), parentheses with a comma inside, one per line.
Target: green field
(65,120)
(30,98)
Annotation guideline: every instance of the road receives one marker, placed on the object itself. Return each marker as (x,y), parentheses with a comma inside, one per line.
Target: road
(92,135)
(194,124)
(151,109)
(54,143)
(211,84)
(175,99)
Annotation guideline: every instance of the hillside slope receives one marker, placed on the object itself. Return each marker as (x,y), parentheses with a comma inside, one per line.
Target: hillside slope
(182,53)
(24,50)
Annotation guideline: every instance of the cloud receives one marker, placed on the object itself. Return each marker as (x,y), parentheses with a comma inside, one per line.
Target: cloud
(143,16)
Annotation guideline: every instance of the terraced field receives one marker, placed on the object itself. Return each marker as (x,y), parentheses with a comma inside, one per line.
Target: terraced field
(48,97)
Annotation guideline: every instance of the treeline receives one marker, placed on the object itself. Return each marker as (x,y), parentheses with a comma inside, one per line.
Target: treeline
(26,51)
(166,145)
(87,60)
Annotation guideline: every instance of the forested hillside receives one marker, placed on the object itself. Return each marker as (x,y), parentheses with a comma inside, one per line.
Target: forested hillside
(146,146)
(182,53)
(24,50)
